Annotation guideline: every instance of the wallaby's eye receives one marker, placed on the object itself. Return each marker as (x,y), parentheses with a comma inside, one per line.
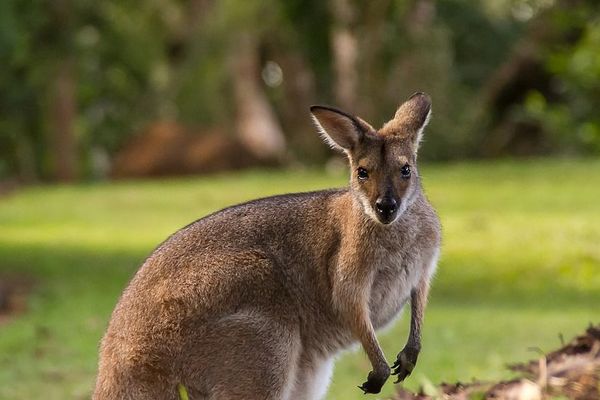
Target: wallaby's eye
(362,174)
(405,171)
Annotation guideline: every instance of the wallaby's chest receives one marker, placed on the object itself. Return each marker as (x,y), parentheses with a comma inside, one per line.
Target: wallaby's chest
(397,272)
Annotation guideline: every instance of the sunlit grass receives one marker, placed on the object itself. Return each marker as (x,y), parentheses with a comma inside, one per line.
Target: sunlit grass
(520,264)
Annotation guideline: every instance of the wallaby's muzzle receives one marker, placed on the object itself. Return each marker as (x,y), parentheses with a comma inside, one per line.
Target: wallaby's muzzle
(387,208)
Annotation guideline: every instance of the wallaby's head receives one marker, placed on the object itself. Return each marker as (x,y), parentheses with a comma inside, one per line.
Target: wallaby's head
(383,163)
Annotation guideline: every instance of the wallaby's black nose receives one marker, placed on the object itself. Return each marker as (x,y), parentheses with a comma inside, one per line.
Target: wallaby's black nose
(386,206)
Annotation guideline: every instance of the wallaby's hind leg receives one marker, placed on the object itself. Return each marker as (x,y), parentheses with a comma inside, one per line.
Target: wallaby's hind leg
(134,382)
(246,355)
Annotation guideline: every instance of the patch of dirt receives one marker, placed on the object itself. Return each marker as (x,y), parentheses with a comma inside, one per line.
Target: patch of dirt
(571,372)
(14,290)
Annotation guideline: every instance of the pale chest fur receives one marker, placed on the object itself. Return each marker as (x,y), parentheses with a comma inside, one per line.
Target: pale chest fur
(397,272)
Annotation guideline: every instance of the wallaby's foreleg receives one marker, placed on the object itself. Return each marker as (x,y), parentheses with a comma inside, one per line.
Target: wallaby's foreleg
(407,358)
(352,300)
(364,331)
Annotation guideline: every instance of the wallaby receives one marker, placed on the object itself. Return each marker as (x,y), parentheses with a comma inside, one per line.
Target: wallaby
(256,300)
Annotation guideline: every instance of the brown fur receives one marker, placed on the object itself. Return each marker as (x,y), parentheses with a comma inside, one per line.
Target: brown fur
(254,301)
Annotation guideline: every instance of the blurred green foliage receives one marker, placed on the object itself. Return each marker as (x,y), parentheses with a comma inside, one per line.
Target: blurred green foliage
(118,50)
(519,265)
(573,123)
(135,63)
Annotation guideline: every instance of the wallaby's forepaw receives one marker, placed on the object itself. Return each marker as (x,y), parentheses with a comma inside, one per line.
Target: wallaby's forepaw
(375,381)
(405,363)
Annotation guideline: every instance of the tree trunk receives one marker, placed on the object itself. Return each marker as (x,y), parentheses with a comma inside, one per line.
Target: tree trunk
(418,21)
(62,133)
(63,144)
(256,123)
(299,93)
(374,75)
(344,46)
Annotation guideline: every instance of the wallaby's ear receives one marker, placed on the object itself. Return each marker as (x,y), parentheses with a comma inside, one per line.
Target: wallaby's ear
(415,113)
(411,118)
(340,130)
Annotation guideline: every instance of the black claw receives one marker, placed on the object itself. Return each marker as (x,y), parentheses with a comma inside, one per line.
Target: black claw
(373,384)
(364,387)
(375,381)
(402,375)
(404,365)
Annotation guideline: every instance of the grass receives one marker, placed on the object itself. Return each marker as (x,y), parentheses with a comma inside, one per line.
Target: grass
(520,264)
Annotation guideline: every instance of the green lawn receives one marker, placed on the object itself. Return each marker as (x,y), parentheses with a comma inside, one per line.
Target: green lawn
(520,264)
